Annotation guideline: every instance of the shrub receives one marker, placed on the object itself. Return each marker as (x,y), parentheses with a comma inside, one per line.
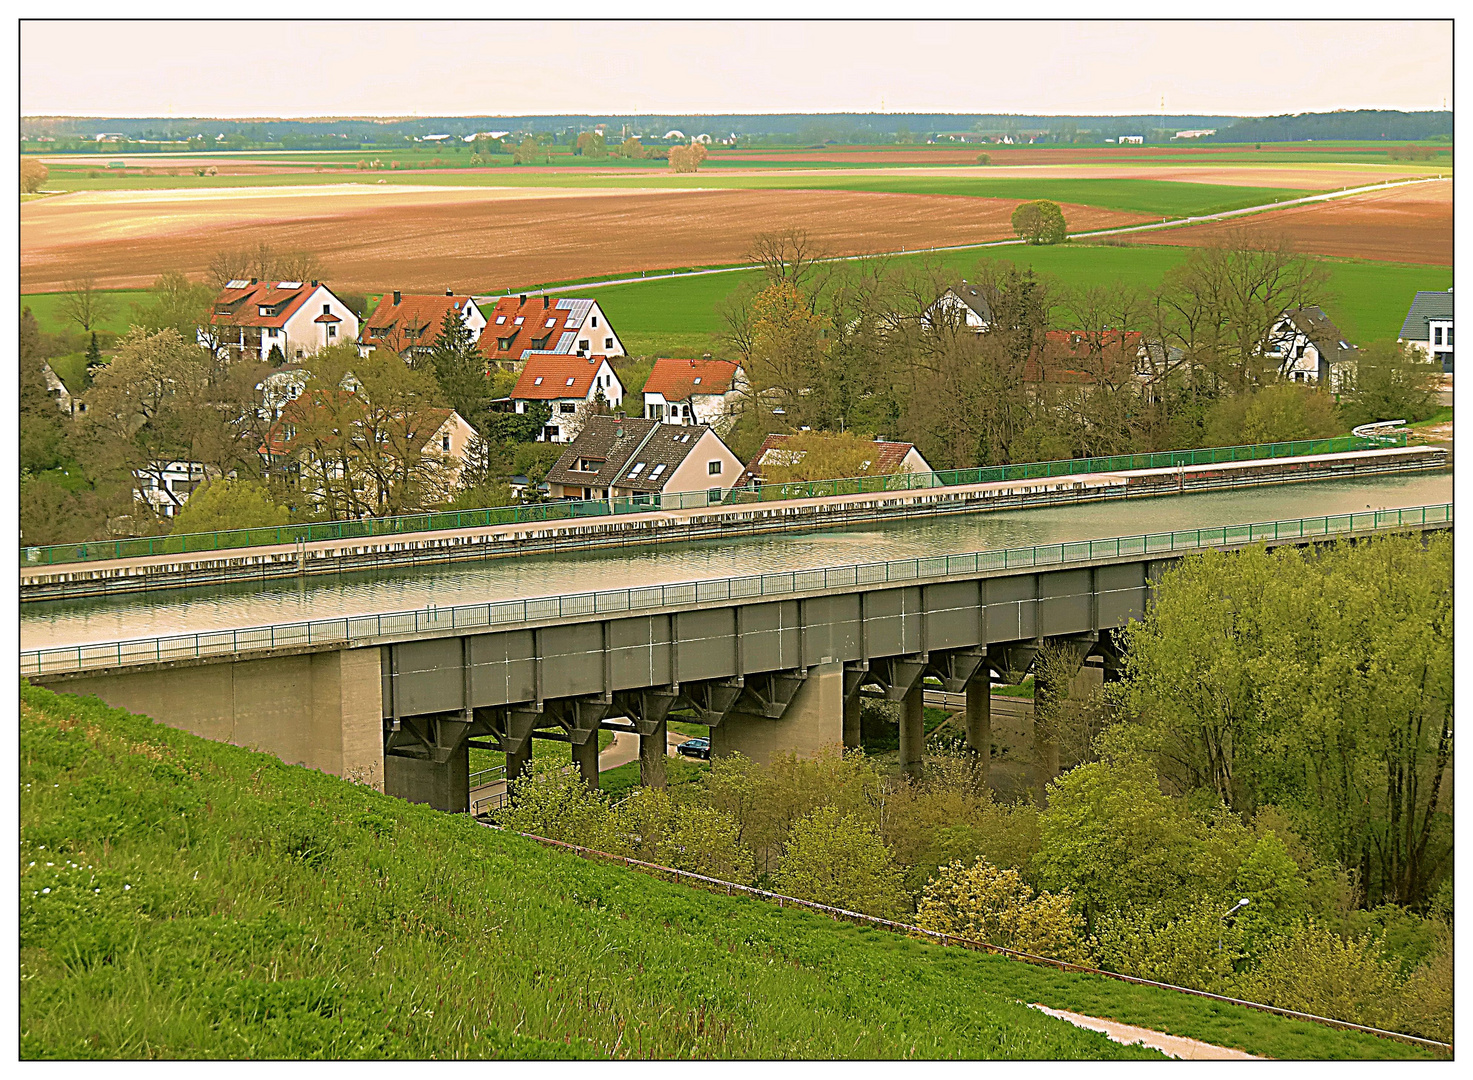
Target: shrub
(1187,947)
(652,826)
(1314,970)
(997,906)
(984,159)
(223,504)
(839,859)
(1426,1006)
(551,800)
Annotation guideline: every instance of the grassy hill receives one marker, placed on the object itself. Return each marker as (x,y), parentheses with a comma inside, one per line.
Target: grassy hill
(187,899)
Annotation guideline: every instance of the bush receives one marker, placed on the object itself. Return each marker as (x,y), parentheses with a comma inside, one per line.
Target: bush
(1426,1006)
(652,826)
(1314,970)
(997,906)
(1039,222)
(1391,382)
(984,159)
(839,859)
(221,505)
(1186,947)
(1277,413)
(551,800)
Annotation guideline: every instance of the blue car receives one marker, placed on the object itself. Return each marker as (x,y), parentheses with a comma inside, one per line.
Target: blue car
(698,748)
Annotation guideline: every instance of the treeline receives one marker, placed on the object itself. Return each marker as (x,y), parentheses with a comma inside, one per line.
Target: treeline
(1360,124)
(1059,370)
(1283,736)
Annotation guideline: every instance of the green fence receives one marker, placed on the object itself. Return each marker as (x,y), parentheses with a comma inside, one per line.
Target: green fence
(364,629)
(531,513)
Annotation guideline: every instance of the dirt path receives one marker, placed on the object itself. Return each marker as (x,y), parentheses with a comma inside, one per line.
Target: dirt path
(1177,1046)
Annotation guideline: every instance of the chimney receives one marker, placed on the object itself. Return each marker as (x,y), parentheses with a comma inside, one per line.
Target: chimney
(618,427)
(521,299)
(253,281)
(449,292)
(546,302)
(397,297)
(314,284)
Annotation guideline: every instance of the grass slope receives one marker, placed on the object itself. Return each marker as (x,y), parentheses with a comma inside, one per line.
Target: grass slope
(184,898)
(46,307)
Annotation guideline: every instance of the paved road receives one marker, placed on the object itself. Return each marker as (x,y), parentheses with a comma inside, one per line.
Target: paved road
(1164,223)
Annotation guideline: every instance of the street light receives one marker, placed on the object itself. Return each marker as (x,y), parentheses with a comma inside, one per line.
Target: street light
(1239,906)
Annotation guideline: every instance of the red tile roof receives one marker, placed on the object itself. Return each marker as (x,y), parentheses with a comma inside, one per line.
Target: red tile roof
(1066,351)
(327,316)
(417,316)
(548,377)
(242,306)
(535,315)
(677,380)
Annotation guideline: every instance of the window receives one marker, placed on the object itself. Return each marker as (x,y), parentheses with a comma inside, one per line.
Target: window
(445,443)
(608,343)
(517,321)
(332,331)
(1437,335)
(656,471)
(500,320)
(570,380)
(327,309)
(639,468)
(551,323)
(595,320)
(567,407)
(537,381)
(1449,337)
(583,345)
(713,495)
(713,468)
(696,381)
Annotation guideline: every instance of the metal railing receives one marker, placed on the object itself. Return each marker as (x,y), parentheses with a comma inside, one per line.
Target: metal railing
(364,629)
(572,510)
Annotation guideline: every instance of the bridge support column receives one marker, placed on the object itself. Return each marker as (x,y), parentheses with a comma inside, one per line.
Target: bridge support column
(652,750)
(585,757)
(913,729)
(812,722)
(979,721)
(851,722)
(442,785)
(518,762)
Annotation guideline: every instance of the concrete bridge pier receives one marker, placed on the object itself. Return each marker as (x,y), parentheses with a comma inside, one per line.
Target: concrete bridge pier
(979,721)
(444,785)
(652,755)
(811,722)
(913,729)
(585,757)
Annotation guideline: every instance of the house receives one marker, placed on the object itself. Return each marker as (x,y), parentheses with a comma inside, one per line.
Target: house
(615,458)
(250,318)
(890,458)
(517,328)
(1309,348)
(1429,327)
(409,323)
(167,488)
(962,304)
(1195,133)
(694,391)
(568,384)
(1132,139)
(1072,356)
(56,389)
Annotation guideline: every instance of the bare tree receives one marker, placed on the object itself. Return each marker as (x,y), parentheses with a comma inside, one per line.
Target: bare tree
(84,304)
(785,255)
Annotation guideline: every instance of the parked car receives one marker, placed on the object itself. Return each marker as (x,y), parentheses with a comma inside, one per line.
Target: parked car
(700,748)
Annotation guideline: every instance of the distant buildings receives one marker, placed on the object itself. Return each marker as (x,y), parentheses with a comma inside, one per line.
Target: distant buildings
(1429,327)
(1310,348)
(889,458)
(519,327)
(1194,133)
(409,323)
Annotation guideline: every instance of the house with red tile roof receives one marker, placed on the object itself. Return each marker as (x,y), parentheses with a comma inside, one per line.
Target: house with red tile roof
(570,384)
(519,327)
(1073,356)
(701,391)
(889,458)
(250,318)
(409,323)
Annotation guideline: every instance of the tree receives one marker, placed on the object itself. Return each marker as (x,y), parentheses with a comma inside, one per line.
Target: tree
(997,906)
(839,859)
(460,368)
(1390,382)
(650,825)
(527,152)
(687,159)
(1280,412)
(178,304)
(83,304)
(94,353)
(787,347)
(785,255)
(821,455)
(591,144)
(632,148)
(225,504)
(1039,222)
(33,174)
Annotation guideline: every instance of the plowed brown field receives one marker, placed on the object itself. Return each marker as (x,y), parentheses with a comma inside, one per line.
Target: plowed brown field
(1408,224)
(480,239)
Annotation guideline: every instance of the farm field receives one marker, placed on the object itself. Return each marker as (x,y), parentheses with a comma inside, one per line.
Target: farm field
(425,239)
(207,901)
(1408,224)
(678,316)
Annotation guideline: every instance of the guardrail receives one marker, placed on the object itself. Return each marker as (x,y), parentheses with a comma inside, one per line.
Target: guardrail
(364,629)
(568,510)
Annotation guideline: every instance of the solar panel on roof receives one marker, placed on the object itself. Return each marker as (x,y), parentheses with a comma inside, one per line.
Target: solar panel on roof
(289,285)
(565,343)
(237,283)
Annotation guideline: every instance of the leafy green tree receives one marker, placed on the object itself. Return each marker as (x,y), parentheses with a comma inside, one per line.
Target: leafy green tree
(839,859)
(460,369)
(33,174)
(225,504)
(1185,942)
(1278,413)
(551,800)
(1390,382)
(997,906)
(650,825)
(1040,222)
(94,353)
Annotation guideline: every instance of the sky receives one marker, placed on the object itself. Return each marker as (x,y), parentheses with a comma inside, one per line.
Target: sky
(461,68)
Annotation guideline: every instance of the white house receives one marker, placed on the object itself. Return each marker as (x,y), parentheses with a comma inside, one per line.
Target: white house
(1429,327)
(56,389)
(250,318)
(614,457)
(1132,139)
(889,458)
(519,327)
(167,487)
(701,391)
(409,323)
(1194,133)
(1309,348)
(569,384)
(963,304)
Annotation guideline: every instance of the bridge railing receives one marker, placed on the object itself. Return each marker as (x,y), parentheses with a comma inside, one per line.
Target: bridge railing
(363,629)
(572,510)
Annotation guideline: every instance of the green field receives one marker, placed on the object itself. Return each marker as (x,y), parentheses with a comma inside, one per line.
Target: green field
(181,898)
(677,316)
(46,307)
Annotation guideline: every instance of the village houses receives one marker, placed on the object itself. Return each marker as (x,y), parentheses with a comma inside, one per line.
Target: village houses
(616,458)
(1429,327)
(570,385)
(701,391)
(292,318)
(889,458)
(409,323)
(519,327)
(1309,348)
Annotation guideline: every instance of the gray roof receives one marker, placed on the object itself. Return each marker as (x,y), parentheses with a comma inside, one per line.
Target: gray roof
(968,294)
(1314,324)
(1426,305)
(642,448)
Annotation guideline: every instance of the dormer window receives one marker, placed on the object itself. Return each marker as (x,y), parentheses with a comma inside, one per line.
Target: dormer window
(551,323)
(570,380)
(537,381)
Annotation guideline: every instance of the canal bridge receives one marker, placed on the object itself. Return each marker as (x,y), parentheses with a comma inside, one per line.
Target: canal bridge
(772,662)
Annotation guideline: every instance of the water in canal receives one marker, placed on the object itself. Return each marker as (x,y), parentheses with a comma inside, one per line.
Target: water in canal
(172,611)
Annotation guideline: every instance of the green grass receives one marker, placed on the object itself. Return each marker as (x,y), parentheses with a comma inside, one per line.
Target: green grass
(46,307)
(181,898)
(542,750)
(679,772)
(670,316)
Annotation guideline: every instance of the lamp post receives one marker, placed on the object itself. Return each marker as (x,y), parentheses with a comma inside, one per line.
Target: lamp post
(1239,906)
